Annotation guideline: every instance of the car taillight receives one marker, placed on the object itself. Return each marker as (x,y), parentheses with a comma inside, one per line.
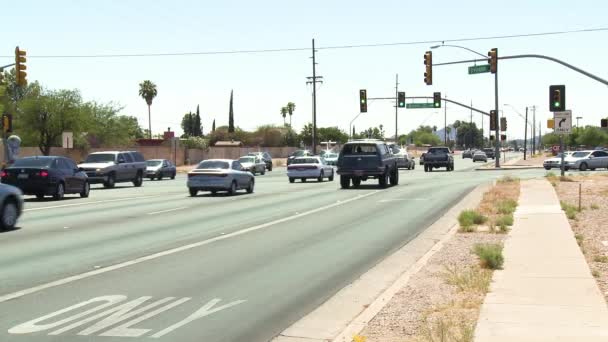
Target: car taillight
(4,174)
(190,175)
(44,173)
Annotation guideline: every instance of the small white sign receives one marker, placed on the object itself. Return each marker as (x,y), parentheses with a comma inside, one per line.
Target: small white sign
(562,122)
(67,139)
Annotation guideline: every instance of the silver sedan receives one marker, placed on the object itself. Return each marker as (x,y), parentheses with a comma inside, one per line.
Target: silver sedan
(253,164)
(304,168)
(480,156)
(11,199)
(219,175)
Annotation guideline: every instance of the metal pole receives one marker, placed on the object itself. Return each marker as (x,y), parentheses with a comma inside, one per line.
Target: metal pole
(496,131)
(396,106)
(314,101)
(526,135)
(561,150)
(471,127)
(149,123)
(482,144)
(533,129)
(445,122)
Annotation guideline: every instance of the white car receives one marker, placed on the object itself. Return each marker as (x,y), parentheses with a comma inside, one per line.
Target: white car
(331,158)
(583,160)
(220,175)
(309,167)
(253,164)
(556,161)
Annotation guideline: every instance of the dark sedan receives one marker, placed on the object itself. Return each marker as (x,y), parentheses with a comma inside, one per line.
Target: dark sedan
(46,176)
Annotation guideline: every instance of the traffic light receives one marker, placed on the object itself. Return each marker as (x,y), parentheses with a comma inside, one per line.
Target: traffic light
(503,137)
(503,124)
(437,100)
(428,63)
(491,138)
(550,123)
(493,60)
(401,99)
(557,98)
(20,66)
(493,120)
(363,101)
(604,123)
(7,123)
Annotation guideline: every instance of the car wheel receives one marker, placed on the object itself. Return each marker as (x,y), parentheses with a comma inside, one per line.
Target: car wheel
(426,169)
(250,187)
(583,167)
(356,182)
(331,178)
(160,176)
(270,167)
(86,188)
(193,191)
(39,196)
(566,168)
(110,183)
(263,172)
(344,182)
(59,192)
(151,178)
(10,213)
(383,180)
(292,180)
(592,169)
(138,180)
(303,180)
(547,168)
(232,189)
(413,166)
(321,176)
(394,179)
(173,175)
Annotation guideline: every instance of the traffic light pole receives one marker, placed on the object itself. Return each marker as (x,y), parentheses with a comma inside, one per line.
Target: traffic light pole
(526,134)
(396,107)
(496,129)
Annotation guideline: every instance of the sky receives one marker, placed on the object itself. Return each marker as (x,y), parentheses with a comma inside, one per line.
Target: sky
(264,82)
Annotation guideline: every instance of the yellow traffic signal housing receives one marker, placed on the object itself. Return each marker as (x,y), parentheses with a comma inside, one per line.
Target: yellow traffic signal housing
(550,123)
(493,120)
(428,63)
(503,124)
(20,67)
(493,54)
(7,123)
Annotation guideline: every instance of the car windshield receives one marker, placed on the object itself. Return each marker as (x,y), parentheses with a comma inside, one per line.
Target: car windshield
(305,161)
(331,155)
(438,150)
(33,162)
(247,160)
(153,162)
(354,149)
(580,154)
(100,158)
(213,164)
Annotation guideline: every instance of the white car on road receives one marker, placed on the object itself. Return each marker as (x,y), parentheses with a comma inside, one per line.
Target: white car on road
(583,160)
(556,161)
(219,175)
(309,167)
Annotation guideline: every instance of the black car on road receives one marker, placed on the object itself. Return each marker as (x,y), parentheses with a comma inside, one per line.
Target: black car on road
(298,153)
(437,157)
(360,160)
(490,153)
(47,176)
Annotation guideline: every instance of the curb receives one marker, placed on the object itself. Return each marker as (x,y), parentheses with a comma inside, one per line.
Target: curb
(510,168)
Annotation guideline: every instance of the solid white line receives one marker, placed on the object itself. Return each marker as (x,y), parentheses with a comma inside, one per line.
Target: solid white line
(166,211)
(87,203)
(89,274)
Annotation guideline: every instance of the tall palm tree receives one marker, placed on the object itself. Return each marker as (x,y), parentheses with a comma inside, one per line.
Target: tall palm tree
(147,90)
(291,107)
(284,114)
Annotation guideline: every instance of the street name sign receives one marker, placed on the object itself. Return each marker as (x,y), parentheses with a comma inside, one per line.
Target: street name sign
(479,69)
(419,105)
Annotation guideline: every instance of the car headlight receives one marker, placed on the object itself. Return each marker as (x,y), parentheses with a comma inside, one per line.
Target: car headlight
(98,170)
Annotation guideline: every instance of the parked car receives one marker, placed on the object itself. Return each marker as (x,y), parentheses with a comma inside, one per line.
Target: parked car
(265,157)
(253,164)
(490,153)
(480,156)
(555,162)
(298,153)
(46,176)
(468,153)
(11,201)
(159,168)
(364,159)
(114,167)
(437,157)
(304,168)
(220,175)
(331,158)
(583,160)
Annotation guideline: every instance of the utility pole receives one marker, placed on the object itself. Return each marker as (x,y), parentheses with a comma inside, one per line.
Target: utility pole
(496,131)
(396,106)
(314,80)
(533,129)
(445,121)
(526,135)
(471,142)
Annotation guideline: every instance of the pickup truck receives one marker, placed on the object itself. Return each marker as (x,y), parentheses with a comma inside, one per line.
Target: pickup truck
(360,160)
(490,152)
(437,157)
(114,167)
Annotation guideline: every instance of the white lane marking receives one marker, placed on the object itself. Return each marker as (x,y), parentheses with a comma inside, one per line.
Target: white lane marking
(202,312)
(402,199)
(89,274)
(166,211)
(87,203)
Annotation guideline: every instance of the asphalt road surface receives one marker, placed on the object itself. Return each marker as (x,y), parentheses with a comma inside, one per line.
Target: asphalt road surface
(152,263)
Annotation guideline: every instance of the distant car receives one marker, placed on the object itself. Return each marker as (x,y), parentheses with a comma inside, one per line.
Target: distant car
(480,156)
(298,153)
(219,175)
(555,162)
(583,160)
(159,168)
(11,201)
(331,158)
(265,157)
(46,176)
(490,153)
(253,164)
(304,168)
(468,153)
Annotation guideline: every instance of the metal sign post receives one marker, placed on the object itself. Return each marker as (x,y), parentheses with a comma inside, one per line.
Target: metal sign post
(562,126)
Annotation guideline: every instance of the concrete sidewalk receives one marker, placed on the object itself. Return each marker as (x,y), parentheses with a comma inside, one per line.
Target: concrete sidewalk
(546,291)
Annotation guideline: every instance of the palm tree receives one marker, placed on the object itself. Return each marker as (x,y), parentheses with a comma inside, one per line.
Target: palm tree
(284,114)
(147,90)
(291,107)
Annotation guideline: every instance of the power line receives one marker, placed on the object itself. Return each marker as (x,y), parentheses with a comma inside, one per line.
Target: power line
(335,47)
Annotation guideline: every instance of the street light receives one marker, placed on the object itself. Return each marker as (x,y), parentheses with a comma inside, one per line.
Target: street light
(578,118)
(461,47)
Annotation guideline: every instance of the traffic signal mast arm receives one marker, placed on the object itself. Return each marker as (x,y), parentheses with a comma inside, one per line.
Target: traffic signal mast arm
(450,101)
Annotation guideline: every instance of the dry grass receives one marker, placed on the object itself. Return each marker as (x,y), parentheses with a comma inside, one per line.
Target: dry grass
(470,279)
(499,201)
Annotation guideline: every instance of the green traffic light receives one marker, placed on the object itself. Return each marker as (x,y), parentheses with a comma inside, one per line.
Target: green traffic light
(556,104)
(436,104)
(362,101)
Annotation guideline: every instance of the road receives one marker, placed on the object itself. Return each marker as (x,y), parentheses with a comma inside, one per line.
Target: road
(152,263)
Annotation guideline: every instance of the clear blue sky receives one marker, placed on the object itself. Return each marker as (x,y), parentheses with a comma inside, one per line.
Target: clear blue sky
(264,82)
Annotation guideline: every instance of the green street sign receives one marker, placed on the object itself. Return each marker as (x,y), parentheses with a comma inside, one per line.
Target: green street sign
(419,105)
(479,69)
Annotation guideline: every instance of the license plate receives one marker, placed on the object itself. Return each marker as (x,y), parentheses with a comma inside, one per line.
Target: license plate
(23,176)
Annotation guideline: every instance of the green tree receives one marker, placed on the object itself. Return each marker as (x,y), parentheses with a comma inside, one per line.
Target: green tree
(592,136)
(106,128)
(550,139)
(148,91)
(213,126)
(468,135)
(197,126)
(291,107)
(284,114)
(332,134)
(231,116)
(188,122)
(306,134)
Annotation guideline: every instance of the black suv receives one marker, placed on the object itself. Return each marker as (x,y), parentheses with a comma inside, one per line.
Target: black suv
(360,160)
(437,157)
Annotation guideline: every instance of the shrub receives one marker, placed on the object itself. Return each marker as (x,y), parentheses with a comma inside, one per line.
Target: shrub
(468,218)
(470,279)
(595,273)
(569,209)
(595,206)
(505,220)
(508,179)
(579,239)
(566,179)
(507,206)
(600,258)
(490,255)
(550,174)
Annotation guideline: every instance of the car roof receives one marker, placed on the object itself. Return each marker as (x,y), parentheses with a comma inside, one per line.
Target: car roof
(106,152)
(42,157)
(223,160)
(307,157)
